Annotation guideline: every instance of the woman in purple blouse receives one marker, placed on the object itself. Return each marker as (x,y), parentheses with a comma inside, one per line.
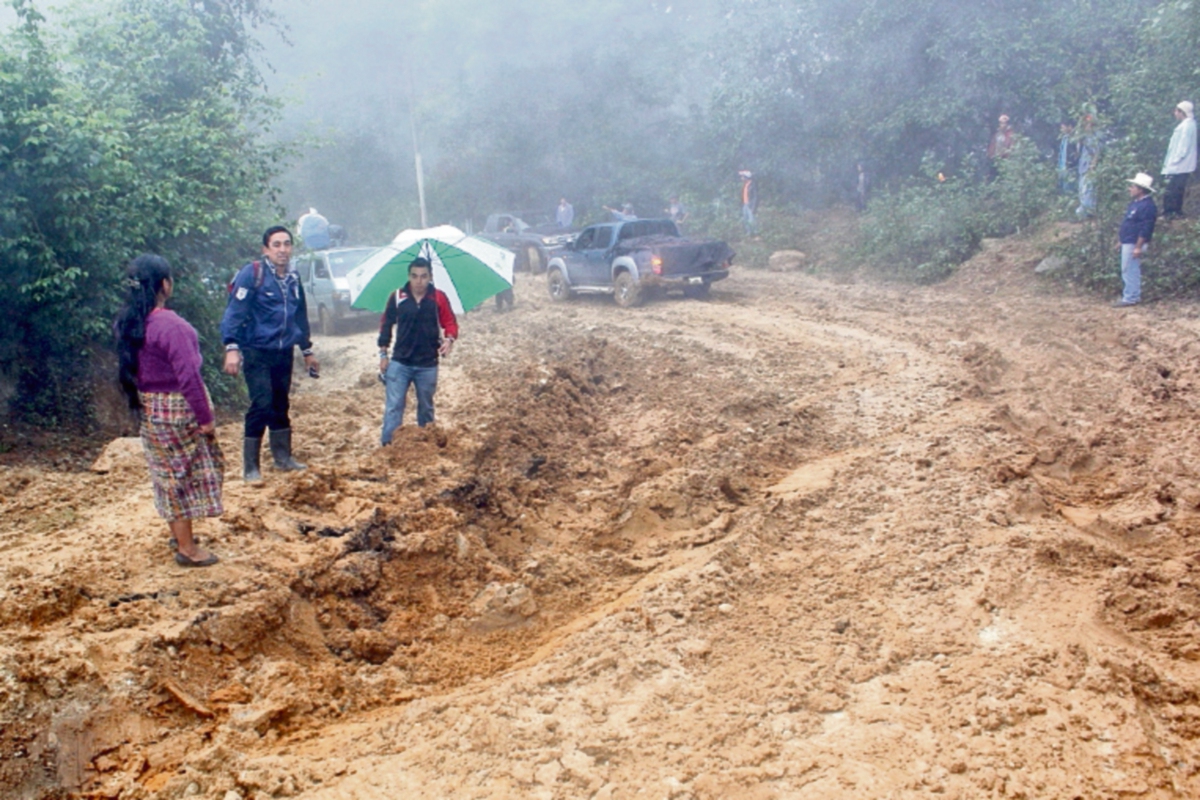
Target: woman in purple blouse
(160,373)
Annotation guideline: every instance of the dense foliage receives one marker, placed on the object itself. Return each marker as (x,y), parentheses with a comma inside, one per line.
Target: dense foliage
(137,127)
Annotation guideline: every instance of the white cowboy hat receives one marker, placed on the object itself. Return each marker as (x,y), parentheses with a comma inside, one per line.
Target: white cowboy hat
(1143,180)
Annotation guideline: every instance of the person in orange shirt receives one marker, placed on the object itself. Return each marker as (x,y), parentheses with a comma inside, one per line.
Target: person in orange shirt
(749,201)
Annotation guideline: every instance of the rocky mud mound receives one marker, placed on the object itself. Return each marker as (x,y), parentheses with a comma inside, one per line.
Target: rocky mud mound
(801,540)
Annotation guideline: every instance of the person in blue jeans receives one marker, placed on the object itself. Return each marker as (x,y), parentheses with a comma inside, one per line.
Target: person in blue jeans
(425,330)
(1134,236)
(749,202)
(1089,154)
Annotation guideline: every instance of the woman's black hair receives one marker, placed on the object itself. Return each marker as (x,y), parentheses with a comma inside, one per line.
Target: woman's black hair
(146,275)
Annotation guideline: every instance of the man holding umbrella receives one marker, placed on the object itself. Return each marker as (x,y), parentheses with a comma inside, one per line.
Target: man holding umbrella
(420,313)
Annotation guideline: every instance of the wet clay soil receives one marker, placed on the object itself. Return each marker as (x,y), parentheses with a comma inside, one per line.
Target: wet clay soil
(803,539)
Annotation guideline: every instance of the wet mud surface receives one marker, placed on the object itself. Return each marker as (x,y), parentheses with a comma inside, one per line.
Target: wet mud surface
(802,539)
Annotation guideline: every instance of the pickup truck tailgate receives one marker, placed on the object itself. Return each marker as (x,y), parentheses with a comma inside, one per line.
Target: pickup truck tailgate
(684,256)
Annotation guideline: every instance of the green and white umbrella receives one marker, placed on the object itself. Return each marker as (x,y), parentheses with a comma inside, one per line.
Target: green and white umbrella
(468,269)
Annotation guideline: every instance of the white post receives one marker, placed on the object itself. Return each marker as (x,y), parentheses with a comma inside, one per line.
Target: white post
(420,179)
(412,124)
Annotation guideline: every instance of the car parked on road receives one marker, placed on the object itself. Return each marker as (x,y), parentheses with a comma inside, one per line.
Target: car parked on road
(323,275)
(633,258)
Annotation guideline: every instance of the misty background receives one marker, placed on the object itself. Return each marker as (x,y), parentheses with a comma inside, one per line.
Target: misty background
(514,105)
(517,104)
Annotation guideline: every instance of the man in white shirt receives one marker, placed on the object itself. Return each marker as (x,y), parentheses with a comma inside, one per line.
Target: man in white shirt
(1180,161)
(565,215)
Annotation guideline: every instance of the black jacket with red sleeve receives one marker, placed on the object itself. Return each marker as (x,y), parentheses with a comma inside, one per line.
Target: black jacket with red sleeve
(418,326)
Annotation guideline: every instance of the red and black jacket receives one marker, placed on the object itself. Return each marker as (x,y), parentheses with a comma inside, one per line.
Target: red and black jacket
(418,326)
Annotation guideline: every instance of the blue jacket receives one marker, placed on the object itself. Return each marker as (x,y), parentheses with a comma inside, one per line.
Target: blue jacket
(1140,216)
(270,316)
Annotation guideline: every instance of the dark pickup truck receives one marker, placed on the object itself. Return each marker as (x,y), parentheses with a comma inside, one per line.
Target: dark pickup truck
(630,259)
(527,244)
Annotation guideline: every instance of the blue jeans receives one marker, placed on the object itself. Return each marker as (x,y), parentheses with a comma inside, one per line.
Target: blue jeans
(1087,197)
(1131,274)
(399,376)
(748,220)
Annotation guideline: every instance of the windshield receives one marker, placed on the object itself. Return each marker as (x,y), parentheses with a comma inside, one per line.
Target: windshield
(342,261)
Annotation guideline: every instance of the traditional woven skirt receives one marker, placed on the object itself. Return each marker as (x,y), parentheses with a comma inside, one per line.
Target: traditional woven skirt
(187,467)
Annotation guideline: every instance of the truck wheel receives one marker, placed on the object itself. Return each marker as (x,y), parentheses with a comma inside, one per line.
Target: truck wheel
(698,291)
(533,261)
(328,325)
(626,291)
(556,282)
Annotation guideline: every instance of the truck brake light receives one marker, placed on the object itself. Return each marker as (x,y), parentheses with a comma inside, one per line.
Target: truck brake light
(656,264)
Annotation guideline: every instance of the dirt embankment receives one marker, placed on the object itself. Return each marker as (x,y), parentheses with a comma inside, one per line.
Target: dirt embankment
(802,540)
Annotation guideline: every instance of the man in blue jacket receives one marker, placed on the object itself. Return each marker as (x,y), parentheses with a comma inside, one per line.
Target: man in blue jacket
(1135,233)
(265,319)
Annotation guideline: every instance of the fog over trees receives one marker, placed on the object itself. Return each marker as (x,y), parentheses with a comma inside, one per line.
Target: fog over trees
(516,104)
(186,126)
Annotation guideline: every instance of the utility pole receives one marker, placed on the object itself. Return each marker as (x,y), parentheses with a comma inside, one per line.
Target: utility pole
(412,124)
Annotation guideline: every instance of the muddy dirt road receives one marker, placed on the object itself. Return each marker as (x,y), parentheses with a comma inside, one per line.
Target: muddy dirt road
(802,540)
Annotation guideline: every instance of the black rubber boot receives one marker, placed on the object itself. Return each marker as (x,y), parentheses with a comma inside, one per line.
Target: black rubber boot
(250,469)
(281,451)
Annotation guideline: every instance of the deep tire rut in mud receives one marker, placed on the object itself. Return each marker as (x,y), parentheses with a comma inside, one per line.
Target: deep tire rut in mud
(798,539)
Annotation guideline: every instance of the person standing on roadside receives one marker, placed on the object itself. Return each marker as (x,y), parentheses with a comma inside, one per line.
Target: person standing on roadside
(265,320)
(160,362)
(1180,161)
(1134,236)
(861,186)
(749,201)
(565,214)
(1089,154)
(1000,145)
(425,330)
(1068,158)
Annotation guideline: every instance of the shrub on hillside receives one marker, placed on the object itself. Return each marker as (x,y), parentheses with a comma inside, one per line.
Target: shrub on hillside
(924,230)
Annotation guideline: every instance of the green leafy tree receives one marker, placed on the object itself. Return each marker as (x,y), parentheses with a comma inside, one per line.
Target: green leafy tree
(809,88)
(139,127)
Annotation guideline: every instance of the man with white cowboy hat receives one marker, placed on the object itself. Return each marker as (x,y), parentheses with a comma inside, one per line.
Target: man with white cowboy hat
(1134,235)
(1180,161)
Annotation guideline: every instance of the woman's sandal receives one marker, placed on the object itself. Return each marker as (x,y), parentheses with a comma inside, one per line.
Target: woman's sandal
(184,561)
